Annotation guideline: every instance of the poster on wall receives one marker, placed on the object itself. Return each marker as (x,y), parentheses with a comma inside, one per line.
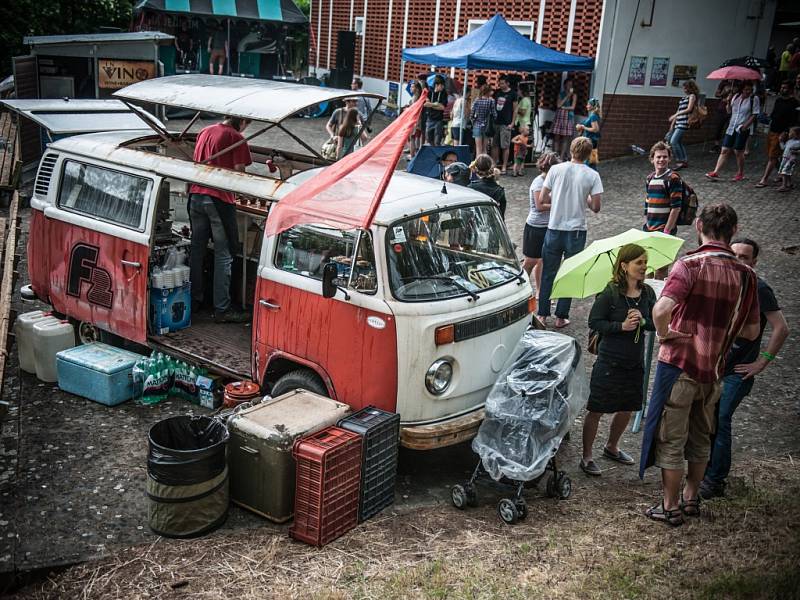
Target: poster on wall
(392,99)
(683,72)
(116,74)
(659,72)
(637,70)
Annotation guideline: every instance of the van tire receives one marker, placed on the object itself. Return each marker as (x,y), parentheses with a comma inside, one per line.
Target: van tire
(304,379)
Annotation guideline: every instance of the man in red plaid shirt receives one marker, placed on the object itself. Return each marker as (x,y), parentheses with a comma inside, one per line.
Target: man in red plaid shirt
(709,299)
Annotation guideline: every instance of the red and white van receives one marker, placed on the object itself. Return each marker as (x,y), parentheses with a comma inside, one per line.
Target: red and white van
(416,315)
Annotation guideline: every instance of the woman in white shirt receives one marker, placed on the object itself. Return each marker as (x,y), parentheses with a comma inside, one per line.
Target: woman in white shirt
(743,109)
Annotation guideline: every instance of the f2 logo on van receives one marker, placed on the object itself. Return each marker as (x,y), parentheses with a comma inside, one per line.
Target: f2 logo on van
(83,269)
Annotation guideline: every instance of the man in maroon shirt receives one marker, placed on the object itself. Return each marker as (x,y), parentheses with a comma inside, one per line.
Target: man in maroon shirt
(709,299)
(212,213)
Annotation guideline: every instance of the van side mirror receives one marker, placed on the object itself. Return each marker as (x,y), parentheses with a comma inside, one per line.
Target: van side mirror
(330,273)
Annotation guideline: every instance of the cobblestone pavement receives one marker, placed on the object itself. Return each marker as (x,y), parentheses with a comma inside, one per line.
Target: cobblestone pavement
(72,472)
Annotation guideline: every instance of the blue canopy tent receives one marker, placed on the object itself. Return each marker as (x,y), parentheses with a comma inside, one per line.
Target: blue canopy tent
(495,45)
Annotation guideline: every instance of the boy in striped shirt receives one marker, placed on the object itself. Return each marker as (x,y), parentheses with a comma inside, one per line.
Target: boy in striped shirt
(664,193)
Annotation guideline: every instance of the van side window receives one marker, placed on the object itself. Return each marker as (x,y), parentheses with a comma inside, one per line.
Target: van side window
(103,193)
(306,249)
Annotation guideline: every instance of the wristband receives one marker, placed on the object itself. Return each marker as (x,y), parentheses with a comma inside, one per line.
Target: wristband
(769,356)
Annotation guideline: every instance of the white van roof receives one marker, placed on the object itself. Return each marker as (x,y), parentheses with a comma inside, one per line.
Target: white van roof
(256,99)
(406,195)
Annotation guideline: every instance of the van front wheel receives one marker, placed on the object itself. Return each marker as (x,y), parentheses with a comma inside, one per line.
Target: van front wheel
(304,379)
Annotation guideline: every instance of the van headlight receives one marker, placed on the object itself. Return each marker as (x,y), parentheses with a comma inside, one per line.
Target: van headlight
(439,376)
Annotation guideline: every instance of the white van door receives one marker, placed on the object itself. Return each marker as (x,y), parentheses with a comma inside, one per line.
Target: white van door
(99,264)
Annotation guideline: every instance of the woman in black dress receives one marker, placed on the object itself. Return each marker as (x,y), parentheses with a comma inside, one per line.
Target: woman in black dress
(619,315)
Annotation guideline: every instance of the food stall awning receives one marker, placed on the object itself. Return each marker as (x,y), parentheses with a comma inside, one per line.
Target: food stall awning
(255,99)
(284,11)
(98,38)
(70,116)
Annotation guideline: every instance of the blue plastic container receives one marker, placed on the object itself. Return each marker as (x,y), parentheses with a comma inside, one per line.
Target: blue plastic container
(98,372)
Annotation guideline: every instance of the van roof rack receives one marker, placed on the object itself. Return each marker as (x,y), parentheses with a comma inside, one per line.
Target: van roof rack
(270,102)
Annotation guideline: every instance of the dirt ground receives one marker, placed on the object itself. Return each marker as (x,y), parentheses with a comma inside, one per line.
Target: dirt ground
(73,520)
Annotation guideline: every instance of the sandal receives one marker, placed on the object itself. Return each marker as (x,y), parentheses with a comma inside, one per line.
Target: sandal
(690,508)
(673,518)
(761,185)
(561,323)
(590,468)
(621,456)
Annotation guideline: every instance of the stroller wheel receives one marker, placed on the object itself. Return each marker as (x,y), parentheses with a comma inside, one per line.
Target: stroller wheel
(564,486)
(551,486)
(522,508)
(459,497)
(507,511)
(472,494)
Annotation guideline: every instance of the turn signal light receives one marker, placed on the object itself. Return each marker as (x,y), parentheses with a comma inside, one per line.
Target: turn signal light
(445,335)
(532,304)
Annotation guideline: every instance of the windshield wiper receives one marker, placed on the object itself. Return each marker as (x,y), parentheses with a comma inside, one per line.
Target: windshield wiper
(455,282)
(518,276)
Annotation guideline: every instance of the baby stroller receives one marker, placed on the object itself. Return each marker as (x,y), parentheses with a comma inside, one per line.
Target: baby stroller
(528,412)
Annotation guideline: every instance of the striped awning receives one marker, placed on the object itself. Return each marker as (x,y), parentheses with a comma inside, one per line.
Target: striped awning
(285,11)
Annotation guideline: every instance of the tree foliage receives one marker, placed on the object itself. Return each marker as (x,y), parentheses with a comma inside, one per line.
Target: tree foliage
(304,5)
(54,17)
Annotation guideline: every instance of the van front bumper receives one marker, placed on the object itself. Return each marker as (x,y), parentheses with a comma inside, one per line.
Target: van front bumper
(443,433)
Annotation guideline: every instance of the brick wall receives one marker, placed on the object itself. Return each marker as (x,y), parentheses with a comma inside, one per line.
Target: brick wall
(420,33)
(642,120)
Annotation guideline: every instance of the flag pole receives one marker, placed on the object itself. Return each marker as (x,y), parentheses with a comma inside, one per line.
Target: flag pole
(465,89)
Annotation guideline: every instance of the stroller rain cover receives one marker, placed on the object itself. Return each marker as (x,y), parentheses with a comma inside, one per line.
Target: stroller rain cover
(531,406)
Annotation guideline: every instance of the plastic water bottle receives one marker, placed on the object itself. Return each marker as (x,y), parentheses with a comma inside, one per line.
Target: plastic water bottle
(288,257)
(172,258)
(150,393)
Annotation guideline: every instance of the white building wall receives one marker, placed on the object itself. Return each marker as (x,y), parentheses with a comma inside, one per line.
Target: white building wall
(688,32)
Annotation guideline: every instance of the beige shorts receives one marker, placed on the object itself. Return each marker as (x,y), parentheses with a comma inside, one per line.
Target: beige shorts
(687,422)
(502,136)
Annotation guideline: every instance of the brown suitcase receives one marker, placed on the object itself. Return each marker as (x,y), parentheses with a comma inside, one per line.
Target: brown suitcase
(260,461)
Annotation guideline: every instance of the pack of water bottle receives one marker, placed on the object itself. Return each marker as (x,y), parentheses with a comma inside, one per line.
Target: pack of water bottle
(159,376)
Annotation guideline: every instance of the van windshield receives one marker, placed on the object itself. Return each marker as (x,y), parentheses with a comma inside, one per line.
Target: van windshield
(453,252)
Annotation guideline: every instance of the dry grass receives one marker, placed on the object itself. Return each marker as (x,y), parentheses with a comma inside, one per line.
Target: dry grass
(593,546)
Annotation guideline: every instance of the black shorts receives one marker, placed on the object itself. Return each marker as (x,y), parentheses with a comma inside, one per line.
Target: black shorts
(532,241)
(737,140)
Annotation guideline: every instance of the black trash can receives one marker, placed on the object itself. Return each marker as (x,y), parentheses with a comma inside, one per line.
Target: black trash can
(187,476)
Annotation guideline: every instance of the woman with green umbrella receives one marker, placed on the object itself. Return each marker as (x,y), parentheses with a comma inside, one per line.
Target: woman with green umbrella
(619,315)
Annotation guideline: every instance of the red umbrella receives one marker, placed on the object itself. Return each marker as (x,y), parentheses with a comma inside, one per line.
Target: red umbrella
(734,72)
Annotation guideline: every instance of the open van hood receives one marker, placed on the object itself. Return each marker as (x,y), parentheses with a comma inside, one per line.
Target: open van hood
(255,99)
(68,116)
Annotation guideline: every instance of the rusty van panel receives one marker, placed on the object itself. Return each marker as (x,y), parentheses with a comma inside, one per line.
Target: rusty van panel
(89,282)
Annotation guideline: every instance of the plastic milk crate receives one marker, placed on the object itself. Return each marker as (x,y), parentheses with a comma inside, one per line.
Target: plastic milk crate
(381,433)
(327,485)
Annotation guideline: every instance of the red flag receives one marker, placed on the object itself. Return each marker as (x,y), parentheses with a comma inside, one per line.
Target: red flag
(346,195)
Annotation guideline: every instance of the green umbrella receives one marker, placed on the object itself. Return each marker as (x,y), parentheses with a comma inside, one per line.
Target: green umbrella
(588,272)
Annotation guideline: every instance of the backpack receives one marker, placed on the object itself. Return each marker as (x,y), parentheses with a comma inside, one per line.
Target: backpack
(697,116)
(688,206)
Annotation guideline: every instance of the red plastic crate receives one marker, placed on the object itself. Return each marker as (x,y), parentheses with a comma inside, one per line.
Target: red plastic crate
(328,485)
